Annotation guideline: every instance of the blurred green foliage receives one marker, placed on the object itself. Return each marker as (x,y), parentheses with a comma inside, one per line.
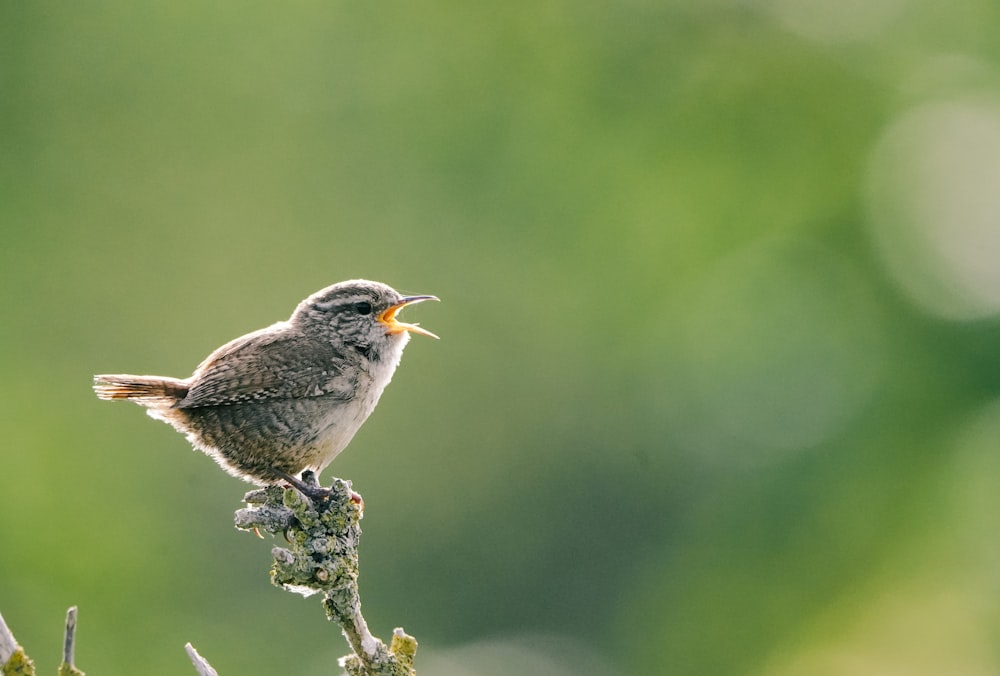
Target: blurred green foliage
(682,418)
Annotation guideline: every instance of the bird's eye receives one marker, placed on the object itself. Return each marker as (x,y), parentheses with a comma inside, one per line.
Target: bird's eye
(363,307)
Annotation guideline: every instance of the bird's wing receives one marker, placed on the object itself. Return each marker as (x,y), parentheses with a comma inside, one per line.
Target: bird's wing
(269,364)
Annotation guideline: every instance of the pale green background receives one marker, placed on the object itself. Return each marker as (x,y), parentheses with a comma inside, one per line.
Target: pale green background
(686,416)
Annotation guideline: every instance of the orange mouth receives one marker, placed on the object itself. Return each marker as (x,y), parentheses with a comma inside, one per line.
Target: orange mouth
(393,325)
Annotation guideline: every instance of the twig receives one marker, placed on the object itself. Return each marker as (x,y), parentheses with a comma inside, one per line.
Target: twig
(200,663)
(12,657)
(322,556)
(68,668)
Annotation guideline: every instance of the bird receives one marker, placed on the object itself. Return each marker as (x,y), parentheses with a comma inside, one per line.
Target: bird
(285,400)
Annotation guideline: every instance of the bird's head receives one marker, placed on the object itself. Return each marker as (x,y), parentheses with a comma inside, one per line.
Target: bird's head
(359,313)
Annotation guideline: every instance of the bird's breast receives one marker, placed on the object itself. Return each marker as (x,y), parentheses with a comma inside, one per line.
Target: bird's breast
(342,420)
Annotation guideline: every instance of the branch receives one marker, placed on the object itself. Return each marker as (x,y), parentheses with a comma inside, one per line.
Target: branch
(321,527)
(323,533)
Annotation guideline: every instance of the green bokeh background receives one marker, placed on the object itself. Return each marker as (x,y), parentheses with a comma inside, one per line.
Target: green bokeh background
(682,418)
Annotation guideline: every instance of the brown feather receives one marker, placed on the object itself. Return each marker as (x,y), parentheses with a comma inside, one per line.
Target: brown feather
(145,390)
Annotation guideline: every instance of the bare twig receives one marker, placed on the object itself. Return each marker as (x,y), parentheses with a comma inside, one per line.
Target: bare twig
(69,638)
(8,645)
(200,663)
(322,556)
(68,668)
(12,657)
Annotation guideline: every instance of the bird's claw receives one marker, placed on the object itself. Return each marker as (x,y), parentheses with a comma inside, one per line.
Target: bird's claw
(307,485)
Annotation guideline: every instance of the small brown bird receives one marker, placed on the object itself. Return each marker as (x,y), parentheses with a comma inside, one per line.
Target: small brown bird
(287,398)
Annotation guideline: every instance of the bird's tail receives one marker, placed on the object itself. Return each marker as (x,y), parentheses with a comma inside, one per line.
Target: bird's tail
(143,390)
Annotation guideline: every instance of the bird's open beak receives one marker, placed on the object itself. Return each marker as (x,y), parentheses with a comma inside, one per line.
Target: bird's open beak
(388,317)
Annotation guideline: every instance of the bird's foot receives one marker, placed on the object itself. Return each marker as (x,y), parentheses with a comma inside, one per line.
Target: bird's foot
(307,485)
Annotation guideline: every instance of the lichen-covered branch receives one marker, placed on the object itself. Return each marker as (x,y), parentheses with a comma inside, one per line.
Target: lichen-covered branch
(322,530)
(322,556)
